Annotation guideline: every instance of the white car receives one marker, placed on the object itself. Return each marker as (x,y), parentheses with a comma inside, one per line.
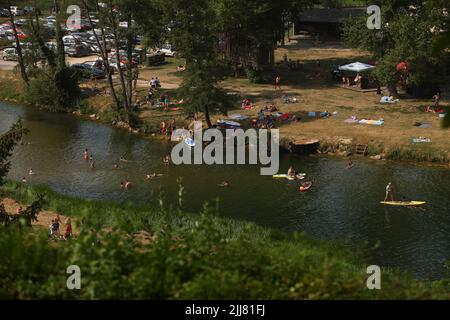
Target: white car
(17,11)
(168,51)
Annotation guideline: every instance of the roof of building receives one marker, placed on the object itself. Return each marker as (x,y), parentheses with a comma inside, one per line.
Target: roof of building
(331,15)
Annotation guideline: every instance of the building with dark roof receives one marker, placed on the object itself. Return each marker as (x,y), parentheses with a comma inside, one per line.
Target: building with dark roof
(326,22)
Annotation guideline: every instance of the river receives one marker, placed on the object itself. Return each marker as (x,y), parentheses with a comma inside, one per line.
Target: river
(343,204)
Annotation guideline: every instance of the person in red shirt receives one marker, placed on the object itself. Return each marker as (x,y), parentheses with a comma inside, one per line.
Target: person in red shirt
(278,82)
(68,232)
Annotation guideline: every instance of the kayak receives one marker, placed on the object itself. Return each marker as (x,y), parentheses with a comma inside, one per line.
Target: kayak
(305,186)
(228,123)
(285,176)
(403,203)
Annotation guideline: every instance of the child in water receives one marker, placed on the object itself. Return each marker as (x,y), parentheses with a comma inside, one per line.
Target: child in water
(224,184)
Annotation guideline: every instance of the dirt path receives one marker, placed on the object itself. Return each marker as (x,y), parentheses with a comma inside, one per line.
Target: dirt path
(44,218)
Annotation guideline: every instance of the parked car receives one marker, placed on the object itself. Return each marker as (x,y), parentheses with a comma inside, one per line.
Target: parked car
(9,54)
(9,34)
(29,9)
(100,64)
(21,22)
(114,65)
(4,12)
(78,50)
(168,50)
(17,11)
(88,71)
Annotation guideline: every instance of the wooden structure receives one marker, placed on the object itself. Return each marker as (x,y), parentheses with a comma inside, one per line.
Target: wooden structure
(361,149)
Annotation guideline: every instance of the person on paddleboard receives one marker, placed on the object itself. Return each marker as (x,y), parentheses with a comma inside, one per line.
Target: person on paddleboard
(291,172)
(389,192)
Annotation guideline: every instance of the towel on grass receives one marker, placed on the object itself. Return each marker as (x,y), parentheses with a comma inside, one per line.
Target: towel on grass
(421,140)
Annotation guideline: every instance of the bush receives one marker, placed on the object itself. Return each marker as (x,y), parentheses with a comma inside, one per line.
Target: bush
(187,256)
(445,122)
(54,90)
(253,75)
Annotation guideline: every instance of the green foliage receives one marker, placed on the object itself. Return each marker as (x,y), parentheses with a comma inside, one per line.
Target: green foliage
(407,34)
(7,143)
(24,218)
(183,256)
(445,123)
(253,75)
(54,89)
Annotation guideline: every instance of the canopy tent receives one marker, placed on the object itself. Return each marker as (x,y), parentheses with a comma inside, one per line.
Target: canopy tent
(356,67)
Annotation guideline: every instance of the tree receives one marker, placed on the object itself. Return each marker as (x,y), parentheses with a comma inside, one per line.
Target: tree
(102,45)
(195,33)
(408,33)
(20,55)
(7,143)
(251,29)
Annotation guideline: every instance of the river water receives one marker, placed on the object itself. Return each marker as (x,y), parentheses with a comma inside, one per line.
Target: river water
(343,204)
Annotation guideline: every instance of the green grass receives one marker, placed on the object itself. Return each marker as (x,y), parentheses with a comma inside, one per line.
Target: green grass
(189,256)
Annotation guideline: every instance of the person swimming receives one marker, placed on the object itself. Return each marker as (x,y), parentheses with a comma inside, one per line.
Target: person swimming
(31,172)
(24,180)
(291,172)
(127,184)
(224,184)
(153,175)
(350,165)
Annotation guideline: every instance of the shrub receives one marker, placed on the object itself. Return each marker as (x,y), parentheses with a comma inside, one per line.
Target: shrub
(54,90)
(445,122)
(189,256)
(253,75)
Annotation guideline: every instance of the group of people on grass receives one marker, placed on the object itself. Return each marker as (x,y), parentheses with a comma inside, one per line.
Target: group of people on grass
(348,81)
(55,228)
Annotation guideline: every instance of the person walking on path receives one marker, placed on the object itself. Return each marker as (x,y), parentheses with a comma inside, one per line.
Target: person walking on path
(278,82)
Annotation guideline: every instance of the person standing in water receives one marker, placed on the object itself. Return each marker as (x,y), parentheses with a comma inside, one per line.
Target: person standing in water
(389,192)
(291,172)
(86,154)
(350,165)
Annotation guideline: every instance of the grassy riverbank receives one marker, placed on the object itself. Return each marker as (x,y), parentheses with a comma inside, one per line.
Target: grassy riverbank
(315,92)
(153,252)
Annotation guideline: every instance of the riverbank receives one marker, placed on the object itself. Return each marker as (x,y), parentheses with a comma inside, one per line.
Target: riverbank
(191,256)
(314,92)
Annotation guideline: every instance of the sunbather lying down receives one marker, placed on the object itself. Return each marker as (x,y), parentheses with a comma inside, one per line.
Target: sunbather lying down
(434,110)
(390,99)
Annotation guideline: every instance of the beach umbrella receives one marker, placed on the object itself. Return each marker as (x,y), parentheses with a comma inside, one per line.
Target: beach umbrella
(357,67)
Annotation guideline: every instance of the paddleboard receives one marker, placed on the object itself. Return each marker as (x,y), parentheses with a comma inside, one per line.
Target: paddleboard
(403,203)
(285,176)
